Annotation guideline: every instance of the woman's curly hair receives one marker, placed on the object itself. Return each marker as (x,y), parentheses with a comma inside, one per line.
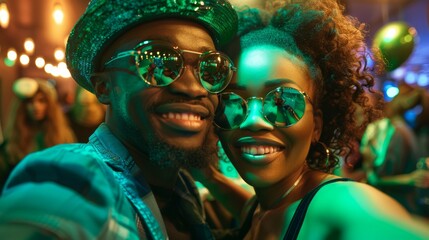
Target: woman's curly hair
(333,47)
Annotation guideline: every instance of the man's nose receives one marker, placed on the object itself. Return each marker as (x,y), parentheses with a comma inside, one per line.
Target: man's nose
(188,84)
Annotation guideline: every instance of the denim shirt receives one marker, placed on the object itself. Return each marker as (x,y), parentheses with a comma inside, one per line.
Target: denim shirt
(116,156)
(86,191)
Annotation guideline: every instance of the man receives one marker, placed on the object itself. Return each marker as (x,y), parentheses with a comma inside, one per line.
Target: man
(127,182)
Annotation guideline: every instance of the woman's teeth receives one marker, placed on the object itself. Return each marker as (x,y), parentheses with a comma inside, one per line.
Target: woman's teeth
(259,150)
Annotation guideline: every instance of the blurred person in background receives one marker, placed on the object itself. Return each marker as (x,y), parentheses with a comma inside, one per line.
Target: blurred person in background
(85,114)
(351,160)
(390,150)
(421,129)
(36,121)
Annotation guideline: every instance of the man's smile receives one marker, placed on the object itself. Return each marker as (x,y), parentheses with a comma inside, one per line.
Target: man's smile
(183,116)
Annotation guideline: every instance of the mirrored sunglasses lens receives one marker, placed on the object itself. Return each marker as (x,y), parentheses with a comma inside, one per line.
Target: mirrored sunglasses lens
(284,106)
(215,72)
(231,111)
(158,65)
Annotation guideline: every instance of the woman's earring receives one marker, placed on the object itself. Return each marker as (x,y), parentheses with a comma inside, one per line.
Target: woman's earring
(327,151)
(319,156)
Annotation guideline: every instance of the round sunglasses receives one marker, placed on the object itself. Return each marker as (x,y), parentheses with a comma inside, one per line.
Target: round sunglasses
(282,107)
(159,64)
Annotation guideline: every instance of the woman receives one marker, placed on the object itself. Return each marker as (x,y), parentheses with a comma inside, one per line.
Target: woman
(312,56)
(36,121)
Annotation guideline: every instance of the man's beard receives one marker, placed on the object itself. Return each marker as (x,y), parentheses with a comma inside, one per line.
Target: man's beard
(165,156)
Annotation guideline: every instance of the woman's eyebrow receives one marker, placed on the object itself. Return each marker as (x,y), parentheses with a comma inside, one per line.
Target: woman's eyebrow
(275,82)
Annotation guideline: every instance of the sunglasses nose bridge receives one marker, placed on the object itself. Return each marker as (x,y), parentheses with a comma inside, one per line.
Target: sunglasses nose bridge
(188,83)
(190,68)
(255,120)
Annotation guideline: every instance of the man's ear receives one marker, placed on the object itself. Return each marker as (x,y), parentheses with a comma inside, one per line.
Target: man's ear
(101,83)
(318,125)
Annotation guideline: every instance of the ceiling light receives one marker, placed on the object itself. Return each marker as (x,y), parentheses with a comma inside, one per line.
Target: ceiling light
(40,62)
(29,45)
(11,54)
(4,15)
(59,54)
(58,13)
(24,59)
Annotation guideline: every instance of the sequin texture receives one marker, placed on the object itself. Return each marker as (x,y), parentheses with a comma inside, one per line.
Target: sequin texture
(105,20)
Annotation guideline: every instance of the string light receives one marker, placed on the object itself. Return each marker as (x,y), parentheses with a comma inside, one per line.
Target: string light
(24,55)
(29,46)
(48,68)
(4,15)
(63,71)
(40,62)
(58,13)
(11,54)
(24,59)
(59,54)
(55,71)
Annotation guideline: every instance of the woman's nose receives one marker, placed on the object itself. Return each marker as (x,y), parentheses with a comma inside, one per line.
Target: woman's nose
(255,120)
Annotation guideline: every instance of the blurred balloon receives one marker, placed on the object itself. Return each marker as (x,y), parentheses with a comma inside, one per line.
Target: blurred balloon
(395,41)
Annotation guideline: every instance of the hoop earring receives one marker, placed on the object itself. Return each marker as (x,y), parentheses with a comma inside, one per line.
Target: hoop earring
(327,152)
(317,152)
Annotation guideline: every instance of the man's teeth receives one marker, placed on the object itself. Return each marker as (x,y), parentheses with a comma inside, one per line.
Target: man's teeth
(182,116)
(259,150)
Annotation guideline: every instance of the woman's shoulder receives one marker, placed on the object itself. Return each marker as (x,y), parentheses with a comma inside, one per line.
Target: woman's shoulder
(349,200)
(348,193)
(355,207)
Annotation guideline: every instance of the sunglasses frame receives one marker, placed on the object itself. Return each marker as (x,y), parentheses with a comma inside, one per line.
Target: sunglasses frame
(137,53)
(262,99)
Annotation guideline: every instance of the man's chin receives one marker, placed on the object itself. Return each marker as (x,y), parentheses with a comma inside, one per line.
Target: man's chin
(184,155)
(192,151)
(188,143)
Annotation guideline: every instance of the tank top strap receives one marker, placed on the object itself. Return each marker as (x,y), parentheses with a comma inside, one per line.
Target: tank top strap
(298,217)
(248,220)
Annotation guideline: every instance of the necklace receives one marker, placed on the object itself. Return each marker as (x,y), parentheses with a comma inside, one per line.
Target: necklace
(283,196)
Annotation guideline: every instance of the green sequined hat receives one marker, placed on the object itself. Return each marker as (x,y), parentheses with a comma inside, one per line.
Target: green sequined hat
(105,20)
